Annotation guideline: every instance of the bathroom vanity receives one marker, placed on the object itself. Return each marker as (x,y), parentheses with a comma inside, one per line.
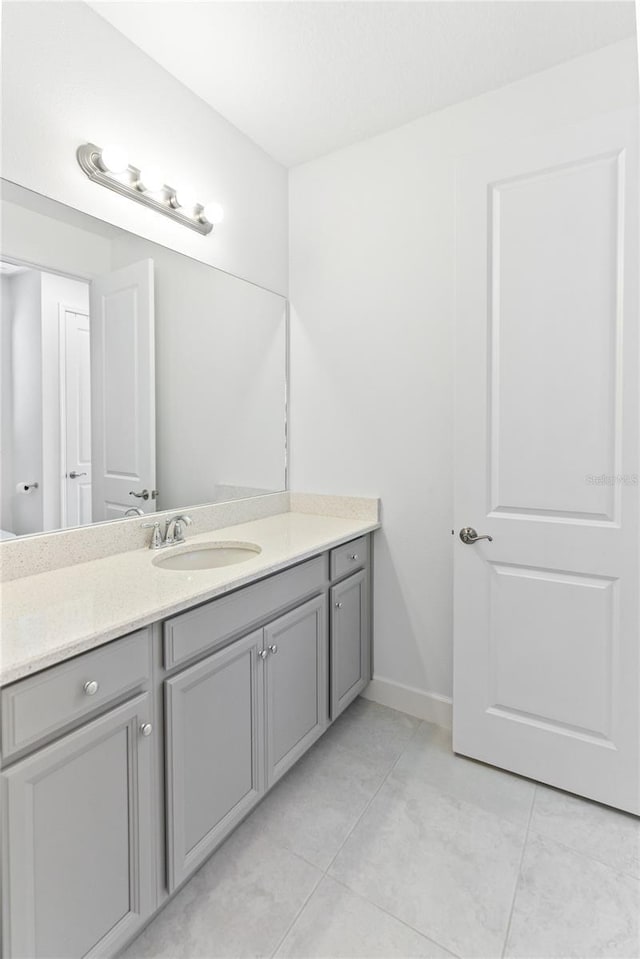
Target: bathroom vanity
(124,767)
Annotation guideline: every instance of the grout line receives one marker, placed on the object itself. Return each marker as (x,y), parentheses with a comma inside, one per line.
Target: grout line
(325,872)
(519,874)
(297,915)
(393,916)
(586,855)
(366,808)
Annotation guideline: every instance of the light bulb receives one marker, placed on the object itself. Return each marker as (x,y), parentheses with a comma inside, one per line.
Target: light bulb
(151,180)
(213,212)
(114,159)
(185,198)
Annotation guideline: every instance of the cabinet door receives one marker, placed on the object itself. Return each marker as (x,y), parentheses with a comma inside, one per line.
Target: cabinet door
(296,684)
(214,751)
(350,641)
(78,863)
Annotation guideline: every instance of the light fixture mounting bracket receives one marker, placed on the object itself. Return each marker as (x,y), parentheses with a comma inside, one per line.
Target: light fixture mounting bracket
(88,155)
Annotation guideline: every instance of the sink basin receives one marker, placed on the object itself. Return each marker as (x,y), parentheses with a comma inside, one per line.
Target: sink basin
(207,556)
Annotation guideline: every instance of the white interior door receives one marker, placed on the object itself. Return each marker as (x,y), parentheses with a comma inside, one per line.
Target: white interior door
(546,615)
(76,418)
(123,391)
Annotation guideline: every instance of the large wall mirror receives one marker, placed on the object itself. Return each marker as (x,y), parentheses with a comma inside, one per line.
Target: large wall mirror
(132,378)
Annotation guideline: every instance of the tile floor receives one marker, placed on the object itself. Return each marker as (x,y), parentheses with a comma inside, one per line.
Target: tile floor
(382,843)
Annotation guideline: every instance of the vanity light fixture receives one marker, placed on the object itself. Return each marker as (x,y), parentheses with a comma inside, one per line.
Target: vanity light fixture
(109,166)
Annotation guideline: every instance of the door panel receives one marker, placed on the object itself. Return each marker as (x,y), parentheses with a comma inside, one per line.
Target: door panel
(570,622)
(546,614)
(214,744)
(79,863)
(554,329)
(123,390)
(76,426)
(349,641)
(296,671)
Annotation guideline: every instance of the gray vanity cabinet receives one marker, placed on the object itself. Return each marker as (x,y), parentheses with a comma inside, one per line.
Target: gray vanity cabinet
(296,678)
(235,722)
(93,807)
(214,752)
(78,867)
(350,641)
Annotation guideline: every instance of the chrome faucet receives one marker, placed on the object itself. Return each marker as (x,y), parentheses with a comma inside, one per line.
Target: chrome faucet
(173,531)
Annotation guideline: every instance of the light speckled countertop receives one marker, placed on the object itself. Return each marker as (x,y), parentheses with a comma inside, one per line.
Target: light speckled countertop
(52,616)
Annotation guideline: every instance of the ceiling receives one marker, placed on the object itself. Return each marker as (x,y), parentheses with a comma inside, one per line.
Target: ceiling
(305,78)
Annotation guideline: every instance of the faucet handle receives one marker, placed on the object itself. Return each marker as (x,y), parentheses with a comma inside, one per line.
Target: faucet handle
(156,536)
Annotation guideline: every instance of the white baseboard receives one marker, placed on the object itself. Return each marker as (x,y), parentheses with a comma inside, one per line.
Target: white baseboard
(432,707)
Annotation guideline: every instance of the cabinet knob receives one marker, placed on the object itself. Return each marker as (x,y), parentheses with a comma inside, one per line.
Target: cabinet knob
(354,557)
(263,653)
(273,648)
(91,687)
(339,605)
(146,729)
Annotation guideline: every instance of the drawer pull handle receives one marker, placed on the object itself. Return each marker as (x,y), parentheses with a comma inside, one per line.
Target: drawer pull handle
(91,687)
(146,729)
(339,605)
(354,557)
(273,648)
(263,653)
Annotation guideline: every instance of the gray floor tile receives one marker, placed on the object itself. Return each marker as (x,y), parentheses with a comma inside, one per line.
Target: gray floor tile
(338,923)
(373,731)
(240,903)
(312,810)
(446,867)
(429,758)
(568,905)
(608,835)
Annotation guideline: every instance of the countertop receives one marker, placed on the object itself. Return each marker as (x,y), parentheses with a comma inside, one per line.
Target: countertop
(52,616)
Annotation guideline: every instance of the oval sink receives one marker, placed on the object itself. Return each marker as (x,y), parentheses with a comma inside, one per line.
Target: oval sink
(208,556)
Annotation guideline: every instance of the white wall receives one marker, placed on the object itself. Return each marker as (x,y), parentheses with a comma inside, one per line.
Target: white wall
(26,368)
(372,292)
(69,77)
(42,240)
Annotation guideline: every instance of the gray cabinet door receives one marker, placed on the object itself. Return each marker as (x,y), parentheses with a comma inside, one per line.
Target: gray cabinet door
(350,641)
(214,714)
(296,684)
(78,862)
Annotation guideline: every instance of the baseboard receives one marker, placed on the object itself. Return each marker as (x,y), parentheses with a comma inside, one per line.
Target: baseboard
(432,707)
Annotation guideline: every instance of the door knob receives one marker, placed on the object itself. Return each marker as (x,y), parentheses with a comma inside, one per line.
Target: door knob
(74,474)
(273,648)
(468,535)
(91,687)
(146,729)
(263,653)
(143,494)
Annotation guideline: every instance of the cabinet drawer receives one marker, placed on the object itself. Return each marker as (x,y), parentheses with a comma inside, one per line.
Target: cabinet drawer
(190,633)
(36,707)
(350,557)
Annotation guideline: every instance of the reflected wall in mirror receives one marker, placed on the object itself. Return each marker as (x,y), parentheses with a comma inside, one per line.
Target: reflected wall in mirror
(132,378)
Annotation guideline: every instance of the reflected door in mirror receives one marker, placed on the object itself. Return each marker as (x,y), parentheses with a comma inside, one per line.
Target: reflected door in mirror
(123,389)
